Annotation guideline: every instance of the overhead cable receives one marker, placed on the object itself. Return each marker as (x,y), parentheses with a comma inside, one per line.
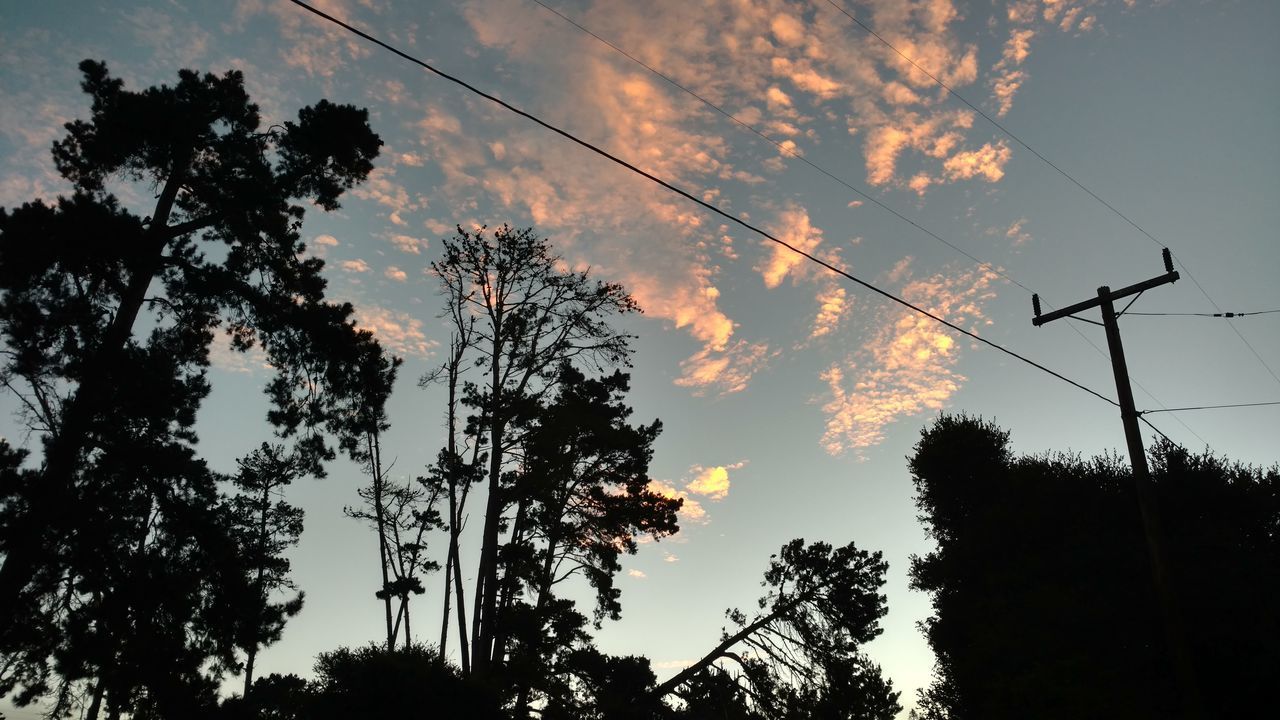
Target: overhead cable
(876,201)
(738,221)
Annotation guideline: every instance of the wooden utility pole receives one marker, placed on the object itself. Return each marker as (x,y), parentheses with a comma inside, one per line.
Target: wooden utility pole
(1147,505)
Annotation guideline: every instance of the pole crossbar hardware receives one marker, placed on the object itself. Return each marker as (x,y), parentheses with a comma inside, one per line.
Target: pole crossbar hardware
(1147,505)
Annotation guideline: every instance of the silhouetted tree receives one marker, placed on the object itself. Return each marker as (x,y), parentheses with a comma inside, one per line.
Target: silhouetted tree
(1042,593)
(595,686)
(220,246)
(119,551)
(402,514)
(407,682)
(530,316)
(140,605)
(267,526)
(800,656)
(581,497)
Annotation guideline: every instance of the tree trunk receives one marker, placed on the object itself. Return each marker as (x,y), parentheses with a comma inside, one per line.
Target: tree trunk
(95,706)
(448,596)
(251,645)
(544,592)
(375,465)
(408,636)
(487,574)
(778,611)
(509,588)
(67,445)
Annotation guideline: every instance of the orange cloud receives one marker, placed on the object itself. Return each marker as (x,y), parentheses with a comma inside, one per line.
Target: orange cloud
(833,307)
(399,332)
(712,482)
(987,162)
(794,228)
(691,511)
(907,366)
(725,371)
(394,273)
(356,266)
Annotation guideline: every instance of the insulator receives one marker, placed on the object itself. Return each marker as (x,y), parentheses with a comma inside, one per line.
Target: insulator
(1035,303)
(1168,260)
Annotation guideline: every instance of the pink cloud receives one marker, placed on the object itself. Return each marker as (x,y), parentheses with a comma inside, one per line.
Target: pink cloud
(794,228)
(400,332)
(908,363)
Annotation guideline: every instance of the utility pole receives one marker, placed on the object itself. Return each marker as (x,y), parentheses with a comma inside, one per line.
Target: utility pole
(1138,459)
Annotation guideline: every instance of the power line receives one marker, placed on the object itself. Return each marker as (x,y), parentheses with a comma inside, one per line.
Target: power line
(653,178)
(1213,407)
(1061,172)
(884,206)
(1216,315)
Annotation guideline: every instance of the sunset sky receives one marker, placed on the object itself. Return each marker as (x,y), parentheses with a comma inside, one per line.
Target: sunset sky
(790,397)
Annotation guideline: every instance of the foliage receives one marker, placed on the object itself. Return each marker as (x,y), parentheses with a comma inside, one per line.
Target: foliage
(375,682)
(800,655)
(265,530)
(118,549)
(1042,593)
(519,316)
(581,499)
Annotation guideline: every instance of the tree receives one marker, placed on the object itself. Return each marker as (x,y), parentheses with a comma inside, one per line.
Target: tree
(374,681)
(802,656)
(119,550)
(519,315)
(1043,603)
(401,514)
(266,528)
(221,246)
(581,498)
(139,606)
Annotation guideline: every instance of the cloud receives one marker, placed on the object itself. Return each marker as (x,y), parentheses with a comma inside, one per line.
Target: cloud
(669,558)
(637,573)
(1016,232)
(326,240)
(398,331)
(226,358)
(691,511)
(724,371)
(382,188)
(907,365)
(712,482)
(310,44)
(408,243)
(355,266)
(987,162)
(833,307)
(794,228)
(394,273)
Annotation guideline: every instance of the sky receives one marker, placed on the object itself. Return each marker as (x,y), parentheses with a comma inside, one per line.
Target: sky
(790,398)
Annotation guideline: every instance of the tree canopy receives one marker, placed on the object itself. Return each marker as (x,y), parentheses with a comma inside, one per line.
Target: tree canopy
(1042,594)
(123,563)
